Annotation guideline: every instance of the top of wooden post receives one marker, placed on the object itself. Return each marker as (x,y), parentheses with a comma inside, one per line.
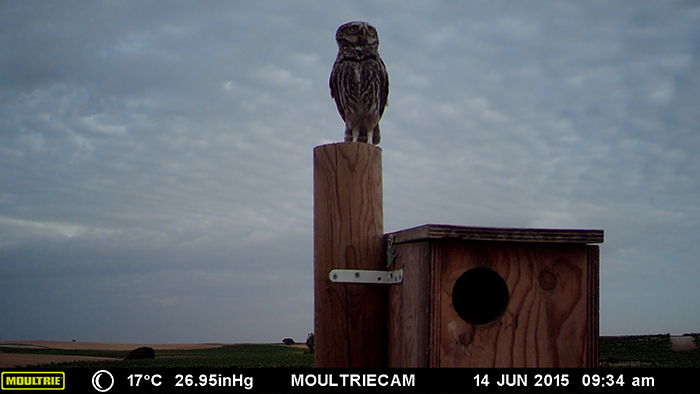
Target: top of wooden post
(503,234)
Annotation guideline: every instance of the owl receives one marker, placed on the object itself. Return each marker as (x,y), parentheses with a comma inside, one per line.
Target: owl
(359,82)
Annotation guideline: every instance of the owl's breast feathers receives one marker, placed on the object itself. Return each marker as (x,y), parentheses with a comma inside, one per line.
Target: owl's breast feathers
(359,85)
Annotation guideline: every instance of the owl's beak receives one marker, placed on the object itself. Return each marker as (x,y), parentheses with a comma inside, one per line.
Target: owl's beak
(364,31)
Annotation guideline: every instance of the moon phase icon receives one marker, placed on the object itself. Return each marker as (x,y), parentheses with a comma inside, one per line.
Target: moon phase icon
(96,381)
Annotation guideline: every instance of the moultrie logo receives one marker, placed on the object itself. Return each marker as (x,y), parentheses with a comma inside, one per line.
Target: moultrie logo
(25,380)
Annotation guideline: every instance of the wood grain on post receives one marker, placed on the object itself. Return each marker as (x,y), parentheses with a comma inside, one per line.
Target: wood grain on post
(349,319)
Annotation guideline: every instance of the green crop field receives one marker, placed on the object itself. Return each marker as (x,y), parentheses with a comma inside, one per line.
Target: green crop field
(646,351)
(242,356)
(626,351)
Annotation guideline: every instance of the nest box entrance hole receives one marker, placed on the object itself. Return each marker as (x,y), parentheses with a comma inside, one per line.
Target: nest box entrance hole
(480,295)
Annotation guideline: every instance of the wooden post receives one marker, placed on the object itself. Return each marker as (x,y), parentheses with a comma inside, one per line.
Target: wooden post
(349,319)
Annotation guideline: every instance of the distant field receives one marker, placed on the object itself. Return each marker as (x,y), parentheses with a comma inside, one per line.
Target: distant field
(646,351)
(241,355)
(626,351)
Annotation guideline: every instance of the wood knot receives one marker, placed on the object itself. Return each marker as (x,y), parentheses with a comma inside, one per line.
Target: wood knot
(547,280)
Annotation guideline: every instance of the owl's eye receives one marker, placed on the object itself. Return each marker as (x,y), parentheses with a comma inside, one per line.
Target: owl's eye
(354,29)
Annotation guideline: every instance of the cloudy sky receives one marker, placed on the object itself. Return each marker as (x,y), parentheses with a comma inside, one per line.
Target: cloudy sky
(156,157)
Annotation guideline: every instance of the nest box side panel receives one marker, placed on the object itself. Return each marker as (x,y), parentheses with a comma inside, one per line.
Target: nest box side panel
(593,253)
(409,307)
(544,321)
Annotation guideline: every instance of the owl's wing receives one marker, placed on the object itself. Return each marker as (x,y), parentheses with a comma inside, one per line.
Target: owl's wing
(332,82)
(336,84)
(383,87)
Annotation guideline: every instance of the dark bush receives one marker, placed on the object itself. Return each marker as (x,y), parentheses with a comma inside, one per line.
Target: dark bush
(141,353)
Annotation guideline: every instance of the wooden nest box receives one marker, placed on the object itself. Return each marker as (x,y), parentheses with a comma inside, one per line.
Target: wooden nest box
(493,297)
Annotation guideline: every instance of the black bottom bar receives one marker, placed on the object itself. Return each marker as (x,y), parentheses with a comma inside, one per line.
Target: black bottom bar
(400,380)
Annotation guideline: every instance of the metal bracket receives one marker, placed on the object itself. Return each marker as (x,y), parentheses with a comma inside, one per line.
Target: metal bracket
(366,276)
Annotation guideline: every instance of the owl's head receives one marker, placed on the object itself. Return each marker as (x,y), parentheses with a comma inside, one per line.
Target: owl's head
(357,35)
